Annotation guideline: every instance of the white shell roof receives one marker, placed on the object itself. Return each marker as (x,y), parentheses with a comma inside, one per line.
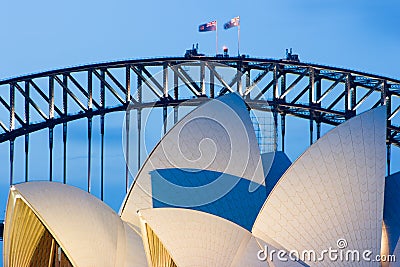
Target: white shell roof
(89,232)
(334,190)
(195,238)
(391,218)
(23,231)
(218,136)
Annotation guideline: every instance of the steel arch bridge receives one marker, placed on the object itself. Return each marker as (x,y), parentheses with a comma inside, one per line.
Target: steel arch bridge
(317,93)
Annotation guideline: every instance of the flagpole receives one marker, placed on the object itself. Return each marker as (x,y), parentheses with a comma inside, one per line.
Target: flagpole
(216,38)
(238,39)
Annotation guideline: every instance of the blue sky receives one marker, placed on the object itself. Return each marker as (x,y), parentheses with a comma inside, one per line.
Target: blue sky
(42,35)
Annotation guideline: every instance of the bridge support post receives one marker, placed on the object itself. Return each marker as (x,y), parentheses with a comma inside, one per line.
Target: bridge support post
(12,126)
(176,96)
(388,156)
(89,152)
(386,99)
(139,141)
(318,93)
(275,114)
(101,159)
(64,153)
(139,118)
(11,162)
(212,81)
(51,141)
(26,157)
(165,119)
(239,78)
(51,128)
(127,124)
(311,100)
(248,80)
(349,96)
(165,96)
(311,129)
(202,78)
(283,130)
(283,115)
(102,118)
(27,119)
(65,125)
(275,108)
(127,130)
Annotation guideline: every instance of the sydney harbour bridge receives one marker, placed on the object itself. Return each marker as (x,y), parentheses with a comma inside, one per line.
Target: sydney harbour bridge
(53,99)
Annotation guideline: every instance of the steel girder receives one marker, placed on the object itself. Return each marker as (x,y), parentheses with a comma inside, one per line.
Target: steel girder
(320,94)
(347,90)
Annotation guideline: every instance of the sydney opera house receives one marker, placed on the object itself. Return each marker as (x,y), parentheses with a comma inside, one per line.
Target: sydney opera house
(206,196)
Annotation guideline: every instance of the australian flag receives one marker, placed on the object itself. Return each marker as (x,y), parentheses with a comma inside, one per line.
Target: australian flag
(232,23)
(208,27)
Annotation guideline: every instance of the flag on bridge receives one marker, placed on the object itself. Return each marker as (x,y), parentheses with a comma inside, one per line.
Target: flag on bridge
(208,27)
(211,27)
(235,22)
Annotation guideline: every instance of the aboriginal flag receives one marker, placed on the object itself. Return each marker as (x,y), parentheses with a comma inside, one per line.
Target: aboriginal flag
(208,27)
(232,23)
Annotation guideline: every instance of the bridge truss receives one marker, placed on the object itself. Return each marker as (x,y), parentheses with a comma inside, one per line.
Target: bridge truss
(319,94)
